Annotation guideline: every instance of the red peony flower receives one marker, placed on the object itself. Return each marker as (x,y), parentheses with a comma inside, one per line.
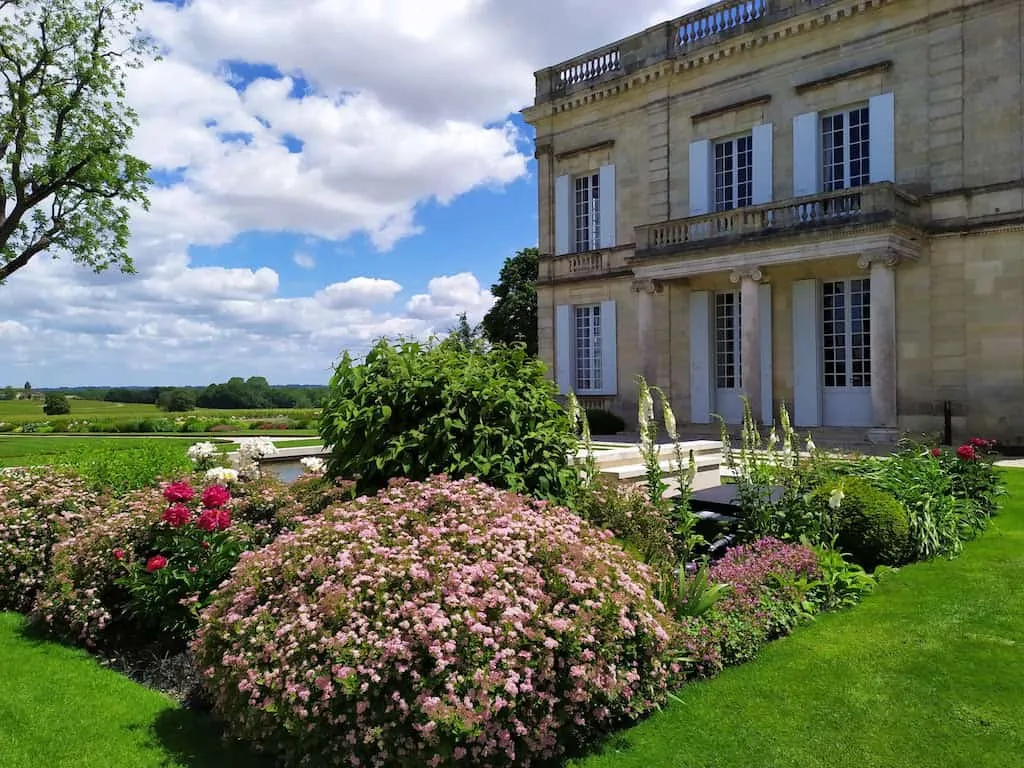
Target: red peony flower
(980,442)
(179,492)
(156,563)
(216,496)
(207,520)
(936,452)
(177,515)
(206,545)
(223,519)
(119,554)
(967,452)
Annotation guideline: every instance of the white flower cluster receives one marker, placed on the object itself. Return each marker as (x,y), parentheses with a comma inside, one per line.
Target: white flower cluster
(201,452)
(314,465)
(221,476)
(250,451)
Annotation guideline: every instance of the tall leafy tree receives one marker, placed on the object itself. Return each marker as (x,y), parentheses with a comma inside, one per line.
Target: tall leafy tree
(67,182)
(513,318)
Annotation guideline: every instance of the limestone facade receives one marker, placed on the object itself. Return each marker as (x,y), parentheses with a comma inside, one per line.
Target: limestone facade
(811,202)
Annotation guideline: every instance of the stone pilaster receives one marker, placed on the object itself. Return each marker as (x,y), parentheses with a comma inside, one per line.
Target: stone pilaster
(645,336)
(882,266)
(749,280)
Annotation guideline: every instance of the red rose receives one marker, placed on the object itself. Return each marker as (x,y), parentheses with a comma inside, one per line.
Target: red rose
(156,563)
(216,496)
(177,515)
(119,554)
(936,452)
(207,520)
(967,452)
(178,492)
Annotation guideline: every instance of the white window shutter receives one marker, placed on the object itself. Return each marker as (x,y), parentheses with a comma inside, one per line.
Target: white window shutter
(764,306)
(807,375)
(606,183)
(882,147)
(807,160)
(701,191)
(700,357)
(564,367)
(563,215)
(609,350)
(763,179)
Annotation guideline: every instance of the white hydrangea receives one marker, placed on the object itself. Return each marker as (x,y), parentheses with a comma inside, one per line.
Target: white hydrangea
(221,476)
(313,464)
(201,452)
(250,451)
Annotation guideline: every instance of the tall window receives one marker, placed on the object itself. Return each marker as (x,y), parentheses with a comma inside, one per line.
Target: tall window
(734,173)
(846,335)
(588,348)
(846,149)
(587,212)
(727,341)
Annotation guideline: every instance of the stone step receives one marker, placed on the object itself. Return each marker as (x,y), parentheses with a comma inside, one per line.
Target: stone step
(630,454)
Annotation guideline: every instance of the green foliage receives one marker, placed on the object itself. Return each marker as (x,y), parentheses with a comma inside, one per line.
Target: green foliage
(869,524)
(177,400)
(513,318)
(56,404)
(604,422)
(842,583)
(627,512)
(106,468)
(414,410)
(690,597)
(65,132)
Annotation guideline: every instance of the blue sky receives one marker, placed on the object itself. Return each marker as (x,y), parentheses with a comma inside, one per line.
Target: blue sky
(327,173)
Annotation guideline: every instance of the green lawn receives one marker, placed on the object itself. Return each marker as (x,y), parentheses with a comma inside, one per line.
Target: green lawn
(23,411)
(60,709)
(18,451)
(927,673)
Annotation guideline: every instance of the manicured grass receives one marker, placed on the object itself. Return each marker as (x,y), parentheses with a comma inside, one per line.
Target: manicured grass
(18,451)
(927,673)
(60,709)
(23,411)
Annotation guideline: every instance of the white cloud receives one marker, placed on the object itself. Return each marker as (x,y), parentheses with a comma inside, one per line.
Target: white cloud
(407,103)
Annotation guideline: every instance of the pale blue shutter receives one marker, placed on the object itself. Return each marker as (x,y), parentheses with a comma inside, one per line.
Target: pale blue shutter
(701,192)
(807,160)
(563,215)
(700,357)
(762,159)
(564,368)
(606,183)
(882,149)
(807,375)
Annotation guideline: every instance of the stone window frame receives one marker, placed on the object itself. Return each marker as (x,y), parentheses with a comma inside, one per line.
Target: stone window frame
(851,134)
(739,194)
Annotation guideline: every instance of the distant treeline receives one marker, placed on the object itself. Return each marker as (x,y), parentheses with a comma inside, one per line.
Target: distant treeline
(235,394)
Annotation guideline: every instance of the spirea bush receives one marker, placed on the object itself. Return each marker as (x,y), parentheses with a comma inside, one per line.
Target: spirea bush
(412,410)
(139,574)
(443,623)
(38,508)
(770,582)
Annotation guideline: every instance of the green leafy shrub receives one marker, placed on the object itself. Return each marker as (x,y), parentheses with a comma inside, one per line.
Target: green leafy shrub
(56,404)
(110,469)
(413,410)
(628,513)
(871,525)
(443,623)
(604,422)
(842,583)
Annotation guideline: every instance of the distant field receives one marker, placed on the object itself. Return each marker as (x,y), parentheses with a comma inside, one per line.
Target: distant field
(109,415)
(30,451)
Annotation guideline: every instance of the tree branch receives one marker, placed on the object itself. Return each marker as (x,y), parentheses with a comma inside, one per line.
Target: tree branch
(25,257)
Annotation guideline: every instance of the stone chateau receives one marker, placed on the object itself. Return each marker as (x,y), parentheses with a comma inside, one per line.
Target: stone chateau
(811,202)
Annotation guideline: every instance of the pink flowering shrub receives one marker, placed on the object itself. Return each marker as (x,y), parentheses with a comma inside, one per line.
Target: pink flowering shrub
(141,572)
(771,583)
(38,508)
(443,623)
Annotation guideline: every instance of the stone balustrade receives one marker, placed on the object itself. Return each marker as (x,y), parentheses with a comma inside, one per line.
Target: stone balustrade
(678,37)
(588,263)
(875,203)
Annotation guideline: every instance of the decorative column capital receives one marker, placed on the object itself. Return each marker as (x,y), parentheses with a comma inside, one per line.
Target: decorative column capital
(648,286)
(747,273)
(885,256)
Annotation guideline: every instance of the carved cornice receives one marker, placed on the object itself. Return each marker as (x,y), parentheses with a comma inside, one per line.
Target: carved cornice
(821,82)
(888,257)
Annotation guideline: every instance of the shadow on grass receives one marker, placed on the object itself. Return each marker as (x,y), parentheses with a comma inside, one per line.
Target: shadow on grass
(195,740)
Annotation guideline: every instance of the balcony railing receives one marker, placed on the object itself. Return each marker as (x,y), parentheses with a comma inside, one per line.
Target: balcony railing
(677,37)
(875,203)
(576,265)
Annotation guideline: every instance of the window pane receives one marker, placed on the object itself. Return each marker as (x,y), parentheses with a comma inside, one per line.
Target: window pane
(727,340)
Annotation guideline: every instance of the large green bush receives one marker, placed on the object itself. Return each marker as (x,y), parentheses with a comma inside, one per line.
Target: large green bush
(414,410)
(870,524)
